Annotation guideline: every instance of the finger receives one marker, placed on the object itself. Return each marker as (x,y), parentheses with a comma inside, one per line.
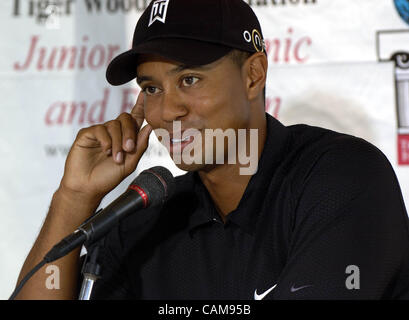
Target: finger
(102,135)
(132,159)
(94,137)
(129,129)
(138,111)
(115,132)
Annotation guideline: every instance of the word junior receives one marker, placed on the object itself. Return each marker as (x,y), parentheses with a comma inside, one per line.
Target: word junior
(66,57)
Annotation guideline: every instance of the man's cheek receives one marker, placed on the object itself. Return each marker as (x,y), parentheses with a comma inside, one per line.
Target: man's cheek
(151,117)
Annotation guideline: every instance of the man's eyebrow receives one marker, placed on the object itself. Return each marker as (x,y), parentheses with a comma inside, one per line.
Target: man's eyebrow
(141,79)
(183,67)
(175,70)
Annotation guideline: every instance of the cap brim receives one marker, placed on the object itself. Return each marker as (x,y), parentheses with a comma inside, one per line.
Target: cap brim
(122,69)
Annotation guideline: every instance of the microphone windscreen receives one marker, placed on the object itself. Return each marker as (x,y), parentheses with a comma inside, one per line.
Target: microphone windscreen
(158,183)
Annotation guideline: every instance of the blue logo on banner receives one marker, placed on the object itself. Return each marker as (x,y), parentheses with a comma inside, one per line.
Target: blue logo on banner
(403,9)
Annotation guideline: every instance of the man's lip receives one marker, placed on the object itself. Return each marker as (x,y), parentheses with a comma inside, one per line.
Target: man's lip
(184,133)
(176,147)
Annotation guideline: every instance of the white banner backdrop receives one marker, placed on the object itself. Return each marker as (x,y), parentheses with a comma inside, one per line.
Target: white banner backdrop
(329,66)
(356,99)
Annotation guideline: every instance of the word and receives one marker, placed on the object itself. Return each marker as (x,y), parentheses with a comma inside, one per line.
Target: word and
(67,113)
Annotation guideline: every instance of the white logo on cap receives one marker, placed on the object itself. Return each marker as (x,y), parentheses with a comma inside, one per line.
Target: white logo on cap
(256,38)
(247,36)
(159,10)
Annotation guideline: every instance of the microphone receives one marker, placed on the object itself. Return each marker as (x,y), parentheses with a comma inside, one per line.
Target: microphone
(151,188)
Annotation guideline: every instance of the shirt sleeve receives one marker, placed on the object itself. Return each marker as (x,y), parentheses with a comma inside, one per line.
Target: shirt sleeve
(350,236)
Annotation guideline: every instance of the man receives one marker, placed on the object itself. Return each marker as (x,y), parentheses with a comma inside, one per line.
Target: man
(321,218)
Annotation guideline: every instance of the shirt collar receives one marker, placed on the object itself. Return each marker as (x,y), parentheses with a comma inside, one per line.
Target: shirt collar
(246,213)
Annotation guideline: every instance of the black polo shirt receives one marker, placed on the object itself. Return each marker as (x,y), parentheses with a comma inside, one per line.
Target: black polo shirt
(323,218)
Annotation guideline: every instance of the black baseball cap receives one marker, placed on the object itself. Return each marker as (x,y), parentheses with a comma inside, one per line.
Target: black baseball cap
(193,32)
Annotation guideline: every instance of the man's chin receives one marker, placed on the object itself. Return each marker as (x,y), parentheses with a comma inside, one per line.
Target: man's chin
(193,166)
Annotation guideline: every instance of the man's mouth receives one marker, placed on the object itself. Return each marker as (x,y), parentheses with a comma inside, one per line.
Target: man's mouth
(174,141)
(187,137)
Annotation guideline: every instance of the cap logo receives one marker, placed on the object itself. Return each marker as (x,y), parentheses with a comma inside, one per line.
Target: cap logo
(256,38)
(158,12)
(258,41)
(247,36)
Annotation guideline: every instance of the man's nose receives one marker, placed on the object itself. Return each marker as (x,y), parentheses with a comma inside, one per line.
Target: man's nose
(173,107)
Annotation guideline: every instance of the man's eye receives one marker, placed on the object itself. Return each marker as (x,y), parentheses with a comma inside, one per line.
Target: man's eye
(189,81)
(150,90)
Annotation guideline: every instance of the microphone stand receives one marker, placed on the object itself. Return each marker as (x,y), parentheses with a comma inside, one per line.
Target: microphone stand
(91,271)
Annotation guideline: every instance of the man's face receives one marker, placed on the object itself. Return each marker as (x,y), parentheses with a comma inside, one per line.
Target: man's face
(207,97)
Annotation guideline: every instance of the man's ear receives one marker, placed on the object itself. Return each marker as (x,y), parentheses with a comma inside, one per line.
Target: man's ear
(255,73)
